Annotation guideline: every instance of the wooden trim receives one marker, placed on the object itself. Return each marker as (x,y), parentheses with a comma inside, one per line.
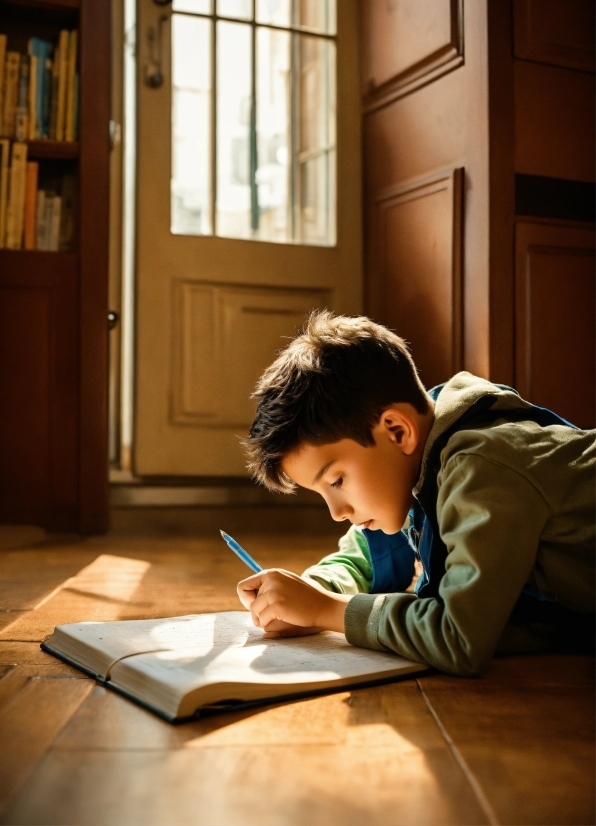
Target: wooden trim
(95,31)
(434,66)
(501,183)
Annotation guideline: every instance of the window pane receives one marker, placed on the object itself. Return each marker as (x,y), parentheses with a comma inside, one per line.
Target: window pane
(277,12)
(319,15)
(317,200)
(191,129)
(316,99)
(316,140)
(273,134)
(194,6)
(234,112)
(235,8)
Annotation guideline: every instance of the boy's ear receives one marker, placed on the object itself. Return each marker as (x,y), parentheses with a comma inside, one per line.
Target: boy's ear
(401,428)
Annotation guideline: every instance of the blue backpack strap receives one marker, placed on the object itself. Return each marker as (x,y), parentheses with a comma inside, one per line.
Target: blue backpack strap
(392,560)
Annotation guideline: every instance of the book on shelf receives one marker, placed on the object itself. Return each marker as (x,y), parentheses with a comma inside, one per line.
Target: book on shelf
(183,667)
(4,167)
(34,214)
(31,178)
(38,90)
(10,92)
(15,211)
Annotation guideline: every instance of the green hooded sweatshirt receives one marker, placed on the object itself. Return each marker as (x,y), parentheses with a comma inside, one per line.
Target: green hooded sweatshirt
(515,508)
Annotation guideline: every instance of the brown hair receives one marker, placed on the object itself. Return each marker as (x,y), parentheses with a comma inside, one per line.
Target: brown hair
(333,381)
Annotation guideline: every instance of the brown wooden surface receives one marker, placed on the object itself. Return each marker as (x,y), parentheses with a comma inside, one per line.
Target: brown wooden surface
(557,32)
(95,63)
(53,336)
(513,747)
(555,292)
(38,376)
(554,122)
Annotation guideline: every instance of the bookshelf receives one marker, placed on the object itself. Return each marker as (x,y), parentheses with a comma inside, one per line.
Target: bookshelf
(53,305)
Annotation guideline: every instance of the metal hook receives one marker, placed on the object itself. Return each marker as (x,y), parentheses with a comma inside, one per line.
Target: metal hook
(154,77)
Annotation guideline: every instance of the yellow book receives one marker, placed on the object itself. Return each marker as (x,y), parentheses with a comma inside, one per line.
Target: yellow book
(12,69)
(4,168)
(33,125)
(2,62)
(70,86)
(16,197)
(62,71)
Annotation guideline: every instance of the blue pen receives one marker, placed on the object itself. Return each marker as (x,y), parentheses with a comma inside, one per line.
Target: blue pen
(240,552)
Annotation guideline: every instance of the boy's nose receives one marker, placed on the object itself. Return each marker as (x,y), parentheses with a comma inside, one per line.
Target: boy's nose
(339,511)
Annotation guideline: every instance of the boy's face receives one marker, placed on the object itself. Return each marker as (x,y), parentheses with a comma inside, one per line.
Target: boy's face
(368,486)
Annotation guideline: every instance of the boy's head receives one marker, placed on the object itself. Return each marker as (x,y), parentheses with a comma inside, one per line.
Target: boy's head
(342,411)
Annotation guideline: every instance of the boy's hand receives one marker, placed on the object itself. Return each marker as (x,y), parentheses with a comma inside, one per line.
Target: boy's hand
(284,604)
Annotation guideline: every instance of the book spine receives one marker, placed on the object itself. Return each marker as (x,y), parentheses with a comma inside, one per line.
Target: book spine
(22,116)
(62,72)
(11,92)
(33,75)
(68,213)
(2,64)
(40,229)
(70,86)
(48,217)
(16,197)
(76,107)
(4,171)
(46,98)
(54,93)
(31,204)
(54,241)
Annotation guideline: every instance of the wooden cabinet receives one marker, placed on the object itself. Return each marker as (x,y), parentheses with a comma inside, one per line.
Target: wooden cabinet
(53,307)
(496,96)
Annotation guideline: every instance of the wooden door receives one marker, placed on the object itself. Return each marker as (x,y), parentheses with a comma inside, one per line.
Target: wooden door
(212,310)
(425,120)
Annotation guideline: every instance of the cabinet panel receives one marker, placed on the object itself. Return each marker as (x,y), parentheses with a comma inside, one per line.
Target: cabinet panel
(417,264)
(407,43)
(39,380)
(558,32)
(554,122)
(555,340)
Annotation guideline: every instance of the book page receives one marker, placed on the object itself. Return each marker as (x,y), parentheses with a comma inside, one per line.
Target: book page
(293,660)
(97,645)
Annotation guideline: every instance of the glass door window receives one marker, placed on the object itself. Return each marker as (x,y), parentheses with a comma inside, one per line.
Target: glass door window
(253,120)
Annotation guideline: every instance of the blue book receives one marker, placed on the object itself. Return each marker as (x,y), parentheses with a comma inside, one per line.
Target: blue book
(42,50)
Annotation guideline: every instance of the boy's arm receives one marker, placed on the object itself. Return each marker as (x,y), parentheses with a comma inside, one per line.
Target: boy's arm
(349,570)
(490,518)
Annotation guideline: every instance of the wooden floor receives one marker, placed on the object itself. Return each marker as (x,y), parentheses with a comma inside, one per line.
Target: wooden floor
(514,747)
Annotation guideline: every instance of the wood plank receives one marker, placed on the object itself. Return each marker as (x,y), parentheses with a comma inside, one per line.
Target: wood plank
(152,580)
(14,678)
(29,722)
(529,743)
(373,756)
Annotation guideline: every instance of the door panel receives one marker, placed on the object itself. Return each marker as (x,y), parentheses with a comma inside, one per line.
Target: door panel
(555,342)
(418,259)
(212,311)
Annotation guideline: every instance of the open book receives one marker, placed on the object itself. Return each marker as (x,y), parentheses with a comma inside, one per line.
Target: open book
(184,666)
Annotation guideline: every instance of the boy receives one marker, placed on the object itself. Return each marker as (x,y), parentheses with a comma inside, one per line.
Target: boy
(493,495)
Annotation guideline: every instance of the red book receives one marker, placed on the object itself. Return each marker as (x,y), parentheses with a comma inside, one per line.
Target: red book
(31,204)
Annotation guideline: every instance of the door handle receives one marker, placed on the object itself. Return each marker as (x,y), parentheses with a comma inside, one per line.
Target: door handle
(153,71)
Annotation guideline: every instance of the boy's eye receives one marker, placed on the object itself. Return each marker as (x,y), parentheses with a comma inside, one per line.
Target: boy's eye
(338,483)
